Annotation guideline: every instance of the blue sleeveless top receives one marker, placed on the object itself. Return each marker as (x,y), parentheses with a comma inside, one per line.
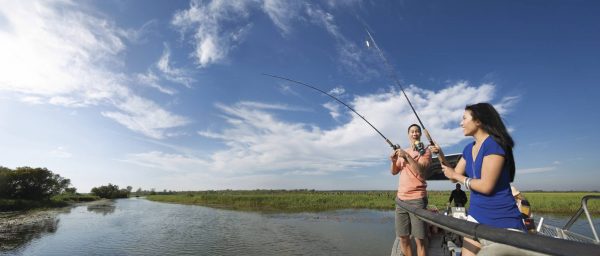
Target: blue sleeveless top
(498,209)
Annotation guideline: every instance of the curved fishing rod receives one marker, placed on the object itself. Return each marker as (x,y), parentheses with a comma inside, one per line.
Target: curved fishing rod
(392,74)
(338,100)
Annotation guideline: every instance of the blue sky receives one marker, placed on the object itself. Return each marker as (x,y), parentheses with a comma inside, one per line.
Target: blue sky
(169,94)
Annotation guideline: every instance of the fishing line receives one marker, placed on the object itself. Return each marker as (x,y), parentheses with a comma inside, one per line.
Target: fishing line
(393,76)
(341,102)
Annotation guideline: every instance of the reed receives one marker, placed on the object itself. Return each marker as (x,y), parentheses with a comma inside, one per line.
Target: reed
(560,202)
(311,200)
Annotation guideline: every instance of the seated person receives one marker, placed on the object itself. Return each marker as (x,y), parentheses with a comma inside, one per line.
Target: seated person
(459,196)
(524,208)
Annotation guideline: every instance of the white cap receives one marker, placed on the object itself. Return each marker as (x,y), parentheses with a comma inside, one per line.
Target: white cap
(515,191)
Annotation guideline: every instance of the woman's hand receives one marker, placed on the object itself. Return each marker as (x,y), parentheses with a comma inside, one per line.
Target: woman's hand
(449,173)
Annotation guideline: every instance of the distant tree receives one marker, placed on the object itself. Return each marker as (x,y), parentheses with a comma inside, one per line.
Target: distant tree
(71,190)
(110,191)
(138,191)
(31,183)
(5,186)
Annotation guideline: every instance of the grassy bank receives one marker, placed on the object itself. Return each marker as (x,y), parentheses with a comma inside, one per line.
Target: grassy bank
(292,201)
(54,202)
(309,200)
(560,202)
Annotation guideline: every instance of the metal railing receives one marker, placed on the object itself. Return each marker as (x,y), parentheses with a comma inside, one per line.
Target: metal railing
(584,209)
(536,243)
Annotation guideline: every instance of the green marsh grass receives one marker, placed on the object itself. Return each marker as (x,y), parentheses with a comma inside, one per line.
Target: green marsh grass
(310,200)
(293,200)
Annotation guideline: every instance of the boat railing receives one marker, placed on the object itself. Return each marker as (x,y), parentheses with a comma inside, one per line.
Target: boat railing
(521,240)
(584,209)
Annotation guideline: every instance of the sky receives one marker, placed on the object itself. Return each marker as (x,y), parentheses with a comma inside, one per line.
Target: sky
(171,94)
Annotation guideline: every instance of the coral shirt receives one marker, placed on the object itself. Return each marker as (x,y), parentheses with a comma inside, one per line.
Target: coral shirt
(411,185)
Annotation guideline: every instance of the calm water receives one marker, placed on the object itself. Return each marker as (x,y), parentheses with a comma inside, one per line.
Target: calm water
(141,227)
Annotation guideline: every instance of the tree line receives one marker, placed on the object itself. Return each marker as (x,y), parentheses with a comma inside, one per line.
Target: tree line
(32,183)
(26,187)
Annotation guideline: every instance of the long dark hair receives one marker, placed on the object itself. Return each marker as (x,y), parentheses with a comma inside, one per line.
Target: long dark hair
(492,124)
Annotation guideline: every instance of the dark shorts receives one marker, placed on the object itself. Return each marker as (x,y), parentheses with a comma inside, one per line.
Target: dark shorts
(408,223)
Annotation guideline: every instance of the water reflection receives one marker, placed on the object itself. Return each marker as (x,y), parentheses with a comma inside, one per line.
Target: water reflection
(141,227)
(103,208)
(14,235)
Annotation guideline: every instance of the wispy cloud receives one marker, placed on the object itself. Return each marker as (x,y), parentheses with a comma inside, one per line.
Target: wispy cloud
(144,116)
(536,170)
(168,162)
(152,80)
(217,27)
(334,109)
(267,106)
(352,57)
(64,53)
(257,141)
(141,35)
(337,91)
(205,21)
(282,13)
(173,74)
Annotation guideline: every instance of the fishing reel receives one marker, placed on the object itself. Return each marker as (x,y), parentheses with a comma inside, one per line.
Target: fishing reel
(420,147)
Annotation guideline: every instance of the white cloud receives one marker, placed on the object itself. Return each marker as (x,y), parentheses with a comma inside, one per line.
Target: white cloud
(287,90)
(144,116)
(350,55)
(164,161)
(63,53)
(152,80)
(53,47)
(337,91)
(177,75)
(206,23)
(536,170)
(140,36)
(282,13)
(217,27)
(259,105)
(258,142)
(32,100)
(334,109)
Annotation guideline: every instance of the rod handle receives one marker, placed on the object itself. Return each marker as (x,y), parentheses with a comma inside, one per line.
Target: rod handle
(440,154)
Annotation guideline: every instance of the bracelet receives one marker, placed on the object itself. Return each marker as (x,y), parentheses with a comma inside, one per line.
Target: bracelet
(468,183)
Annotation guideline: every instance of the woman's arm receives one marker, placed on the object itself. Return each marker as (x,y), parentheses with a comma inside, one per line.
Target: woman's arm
(490,173)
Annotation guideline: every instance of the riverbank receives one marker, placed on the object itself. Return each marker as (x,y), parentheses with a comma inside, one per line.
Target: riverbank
(29,217)
(310,200)
(62,200)
(14,224)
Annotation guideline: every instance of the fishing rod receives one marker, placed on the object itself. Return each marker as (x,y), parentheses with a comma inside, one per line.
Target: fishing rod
(393,76)
(394,146)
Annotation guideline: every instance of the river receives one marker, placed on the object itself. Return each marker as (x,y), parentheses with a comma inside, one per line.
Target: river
(141,227)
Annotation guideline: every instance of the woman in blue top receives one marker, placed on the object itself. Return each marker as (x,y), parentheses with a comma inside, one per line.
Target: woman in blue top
(487,168)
